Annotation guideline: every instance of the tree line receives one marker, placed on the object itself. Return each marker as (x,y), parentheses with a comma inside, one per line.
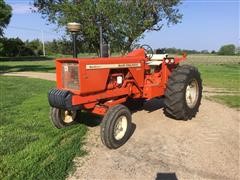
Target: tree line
(15,47)
(229,49)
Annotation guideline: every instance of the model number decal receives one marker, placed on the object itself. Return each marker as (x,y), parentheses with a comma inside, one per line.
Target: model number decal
(112,66)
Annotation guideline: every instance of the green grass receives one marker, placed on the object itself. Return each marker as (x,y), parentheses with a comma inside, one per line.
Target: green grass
(231,100)
(226,76)
(212,59)
(37,64)
(221,75)
(18,66)
(31,148)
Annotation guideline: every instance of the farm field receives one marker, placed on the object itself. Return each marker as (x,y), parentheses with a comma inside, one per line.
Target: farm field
(225,78)
(212,59)
(31,148)
(222,73)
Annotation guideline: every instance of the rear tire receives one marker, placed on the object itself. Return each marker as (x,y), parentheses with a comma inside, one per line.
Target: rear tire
(62,118)
(116,126)
(183,94)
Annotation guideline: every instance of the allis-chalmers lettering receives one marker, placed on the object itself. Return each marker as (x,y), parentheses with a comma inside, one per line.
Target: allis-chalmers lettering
(112,66)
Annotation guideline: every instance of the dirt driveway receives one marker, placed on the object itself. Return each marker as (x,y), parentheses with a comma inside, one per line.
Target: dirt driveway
(206,147)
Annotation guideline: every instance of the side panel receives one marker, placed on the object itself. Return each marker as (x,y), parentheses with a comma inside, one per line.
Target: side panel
(155,84)
(93,80)
(138,74)
(94,73)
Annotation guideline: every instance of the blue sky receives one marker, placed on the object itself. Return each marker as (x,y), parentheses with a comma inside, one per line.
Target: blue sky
(206,24)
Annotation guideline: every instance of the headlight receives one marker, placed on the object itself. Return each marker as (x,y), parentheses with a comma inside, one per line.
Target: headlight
(70,79)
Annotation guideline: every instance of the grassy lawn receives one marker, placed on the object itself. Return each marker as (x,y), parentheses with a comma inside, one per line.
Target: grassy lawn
(212,59)
(17,66)
(231,100)
(31,148)
(37,64)
(226,76)
(219,72)
(221,75)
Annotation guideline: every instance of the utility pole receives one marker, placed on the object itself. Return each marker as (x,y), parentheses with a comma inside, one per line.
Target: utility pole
(43,45)
(101,40)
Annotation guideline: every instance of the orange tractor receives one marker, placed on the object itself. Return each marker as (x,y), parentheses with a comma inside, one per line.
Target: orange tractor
(107,85)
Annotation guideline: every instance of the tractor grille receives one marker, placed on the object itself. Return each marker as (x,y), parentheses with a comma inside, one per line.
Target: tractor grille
(70,79)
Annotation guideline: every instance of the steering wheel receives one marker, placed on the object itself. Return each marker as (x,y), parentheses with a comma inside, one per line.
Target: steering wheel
(148,50)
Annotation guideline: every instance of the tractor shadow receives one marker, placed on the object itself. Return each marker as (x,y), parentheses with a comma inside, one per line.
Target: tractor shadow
(91,120)
(149,106)
(153,105)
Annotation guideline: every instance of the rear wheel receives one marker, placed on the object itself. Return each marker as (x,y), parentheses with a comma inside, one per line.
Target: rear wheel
(116,126)
(183,94)
(62,118)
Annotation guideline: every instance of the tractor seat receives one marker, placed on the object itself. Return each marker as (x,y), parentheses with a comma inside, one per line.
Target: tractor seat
(156,59)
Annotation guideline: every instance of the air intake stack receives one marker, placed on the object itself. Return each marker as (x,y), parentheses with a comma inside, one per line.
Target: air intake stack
(74,28)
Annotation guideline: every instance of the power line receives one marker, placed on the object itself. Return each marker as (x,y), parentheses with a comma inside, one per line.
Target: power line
(32,29)
(35,30)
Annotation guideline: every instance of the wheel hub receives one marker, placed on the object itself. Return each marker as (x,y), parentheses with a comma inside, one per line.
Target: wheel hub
(192,92)
(120,127)
(68,116)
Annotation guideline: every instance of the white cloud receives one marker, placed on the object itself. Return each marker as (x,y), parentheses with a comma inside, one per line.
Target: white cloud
(22,8)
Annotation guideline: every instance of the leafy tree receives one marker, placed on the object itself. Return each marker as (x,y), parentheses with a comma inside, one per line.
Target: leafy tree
(178,51)
(227,50)
(5,15)
(62,46)
(13,47)
(238,50)
(205,51)
(123,21)
(35,45)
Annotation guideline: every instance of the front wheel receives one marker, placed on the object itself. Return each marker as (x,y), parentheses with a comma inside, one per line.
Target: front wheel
(116,126)
(62,118)
(183,94)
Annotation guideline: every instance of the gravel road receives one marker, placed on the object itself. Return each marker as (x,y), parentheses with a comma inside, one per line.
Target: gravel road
(206,147)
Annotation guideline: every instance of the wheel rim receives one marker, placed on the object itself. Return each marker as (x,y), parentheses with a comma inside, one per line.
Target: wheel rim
(120,127)
(68,116)
(192,92)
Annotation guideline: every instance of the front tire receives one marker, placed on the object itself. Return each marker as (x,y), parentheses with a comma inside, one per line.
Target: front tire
(62,118)
(116,126)
(183,94)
